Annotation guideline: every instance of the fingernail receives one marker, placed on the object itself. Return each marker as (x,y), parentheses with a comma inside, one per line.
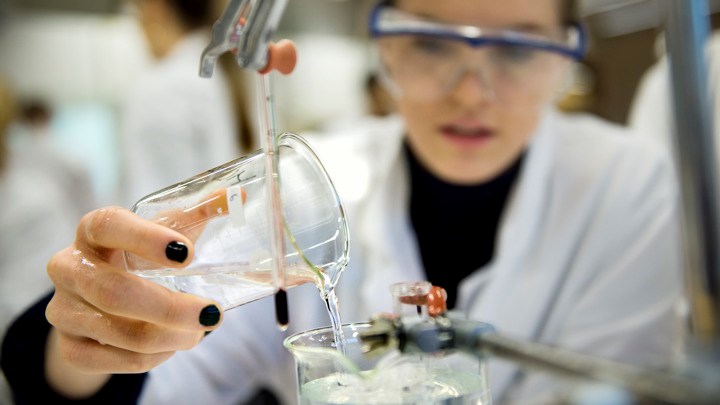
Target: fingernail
(176,251)
(210,315)
(208,332)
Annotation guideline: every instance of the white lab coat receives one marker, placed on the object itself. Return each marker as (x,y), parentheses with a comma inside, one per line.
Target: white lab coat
(651,113)
(175,124)
(587,258)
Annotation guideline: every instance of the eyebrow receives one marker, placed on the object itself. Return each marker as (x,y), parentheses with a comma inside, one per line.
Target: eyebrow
(526,27)
(533,28)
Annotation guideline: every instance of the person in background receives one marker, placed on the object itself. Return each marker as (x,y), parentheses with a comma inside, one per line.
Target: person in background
(38,216)
(36,145)
(554,228)
(175,124)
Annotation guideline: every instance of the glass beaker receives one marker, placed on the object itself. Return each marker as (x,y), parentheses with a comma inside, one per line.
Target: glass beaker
(326,376)
(224,212)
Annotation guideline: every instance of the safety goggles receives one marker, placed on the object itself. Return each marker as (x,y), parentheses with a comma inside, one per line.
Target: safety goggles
(423,59)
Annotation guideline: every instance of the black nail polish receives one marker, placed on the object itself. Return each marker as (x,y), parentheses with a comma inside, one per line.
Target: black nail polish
(176,251)
(210,315)
(207,333)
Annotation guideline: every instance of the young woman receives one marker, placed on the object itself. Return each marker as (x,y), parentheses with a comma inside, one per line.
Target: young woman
(552,228)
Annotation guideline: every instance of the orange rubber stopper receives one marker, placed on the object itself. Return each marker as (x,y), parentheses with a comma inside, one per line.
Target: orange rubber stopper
(281,57)
(436,301)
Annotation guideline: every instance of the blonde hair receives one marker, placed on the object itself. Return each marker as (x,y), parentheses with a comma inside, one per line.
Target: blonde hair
(568,10)
(7,113)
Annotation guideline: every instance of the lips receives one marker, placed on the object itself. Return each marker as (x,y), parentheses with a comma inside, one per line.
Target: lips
(467,133)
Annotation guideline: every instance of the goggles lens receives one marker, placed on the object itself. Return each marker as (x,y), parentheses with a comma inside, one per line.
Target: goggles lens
(423,59)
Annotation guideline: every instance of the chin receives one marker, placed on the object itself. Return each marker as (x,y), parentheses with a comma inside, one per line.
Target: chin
(467,176)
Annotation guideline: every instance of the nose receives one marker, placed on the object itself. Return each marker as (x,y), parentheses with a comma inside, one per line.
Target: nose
(471,87)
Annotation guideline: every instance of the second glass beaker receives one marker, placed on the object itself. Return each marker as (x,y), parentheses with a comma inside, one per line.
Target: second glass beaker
(327,376)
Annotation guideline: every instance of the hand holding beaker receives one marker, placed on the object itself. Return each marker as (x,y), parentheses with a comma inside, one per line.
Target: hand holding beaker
(109,321)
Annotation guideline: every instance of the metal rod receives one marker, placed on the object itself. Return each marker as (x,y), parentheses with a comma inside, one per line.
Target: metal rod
(691,386)
(667,387)
(687,29)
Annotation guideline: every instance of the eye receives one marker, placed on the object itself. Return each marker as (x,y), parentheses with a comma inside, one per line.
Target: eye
(430,46)
(514,54)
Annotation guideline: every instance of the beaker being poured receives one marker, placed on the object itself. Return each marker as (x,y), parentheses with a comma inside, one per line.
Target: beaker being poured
(224,212)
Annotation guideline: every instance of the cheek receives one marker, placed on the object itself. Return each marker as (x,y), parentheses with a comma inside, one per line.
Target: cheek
(418,117)
(538,91)
(519,115)
(518,125)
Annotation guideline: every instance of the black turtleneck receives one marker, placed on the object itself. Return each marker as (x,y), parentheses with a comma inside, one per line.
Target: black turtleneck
(456,225)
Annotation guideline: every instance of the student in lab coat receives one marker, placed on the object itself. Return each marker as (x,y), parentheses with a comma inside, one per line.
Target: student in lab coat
(175,124)
(37,216)
(553,228)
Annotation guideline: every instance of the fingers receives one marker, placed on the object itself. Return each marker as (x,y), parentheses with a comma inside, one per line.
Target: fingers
(110,320)
(124,294)
(124,333)
(108,229)
(90,356)
(83,272)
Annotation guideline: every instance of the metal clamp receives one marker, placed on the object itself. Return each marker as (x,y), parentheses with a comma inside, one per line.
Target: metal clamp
(245,27)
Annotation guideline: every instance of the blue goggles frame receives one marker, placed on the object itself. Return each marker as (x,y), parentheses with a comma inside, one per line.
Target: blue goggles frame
(440,30)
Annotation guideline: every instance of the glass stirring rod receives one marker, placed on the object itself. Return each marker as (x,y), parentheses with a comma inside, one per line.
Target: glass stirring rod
(281,56)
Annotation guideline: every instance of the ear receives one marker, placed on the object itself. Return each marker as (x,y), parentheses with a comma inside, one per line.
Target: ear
(577,84)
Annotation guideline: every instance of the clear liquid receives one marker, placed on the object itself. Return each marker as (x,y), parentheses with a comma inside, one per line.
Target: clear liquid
(235,284)
(333,307)
(231,284)
(398,386)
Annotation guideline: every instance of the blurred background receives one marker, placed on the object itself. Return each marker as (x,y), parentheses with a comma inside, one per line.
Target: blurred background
(79,57)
